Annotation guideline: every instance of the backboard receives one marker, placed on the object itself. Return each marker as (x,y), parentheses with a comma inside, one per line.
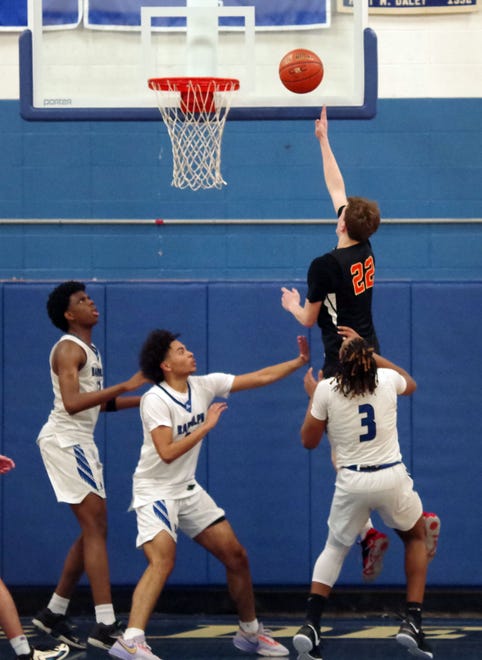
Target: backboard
(98,67)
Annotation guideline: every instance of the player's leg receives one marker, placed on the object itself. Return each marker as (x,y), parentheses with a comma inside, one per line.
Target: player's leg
(75,474)
(411,634)
(161,556)
(156,522)
(91,515)
(401,508)
(307,641)
(53,619)
(373,543)
(220,540)
(10,623)
(9,619)
(348,512)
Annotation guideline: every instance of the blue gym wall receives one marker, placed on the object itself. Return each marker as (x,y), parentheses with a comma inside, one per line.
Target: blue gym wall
(418,158)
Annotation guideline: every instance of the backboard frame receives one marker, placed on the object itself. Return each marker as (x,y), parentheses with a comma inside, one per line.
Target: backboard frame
(365,49)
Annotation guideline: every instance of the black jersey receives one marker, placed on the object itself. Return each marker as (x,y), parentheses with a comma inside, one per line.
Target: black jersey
(343,281)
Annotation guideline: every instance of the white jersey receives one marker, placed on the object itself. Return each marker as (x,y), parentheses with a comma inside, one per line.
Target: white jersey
(361,430)
(78,428)
(163,406)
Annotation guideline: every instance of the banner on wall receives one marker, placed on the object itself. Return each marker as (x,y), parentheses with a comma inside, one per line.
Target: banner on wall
(56,14)
(411,6)
(270,14)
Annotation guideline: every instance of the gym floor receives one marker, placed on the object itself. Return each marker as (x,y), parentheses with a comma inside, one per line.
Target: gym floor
(193,637)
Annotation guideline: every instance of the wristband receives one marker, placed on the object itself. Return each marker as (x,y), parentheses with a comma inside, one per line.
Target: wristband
(111,405)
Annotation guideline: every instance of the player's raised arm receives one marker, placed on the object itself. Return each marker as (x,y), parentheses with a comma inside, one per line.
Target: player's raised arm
(333,177)
(274,372)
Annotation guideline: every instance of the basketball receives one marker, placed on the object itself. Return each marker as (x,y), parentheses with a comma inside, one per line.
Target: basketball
(301,71)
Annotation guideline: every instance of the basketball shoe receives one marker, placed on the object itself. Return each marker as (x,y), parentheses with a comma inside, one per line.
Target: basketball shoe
(307,642)
(432,527)
(57,653)
(132,649)
(373,547)
(413,639)
(59,626)
(260,643)
(104,636)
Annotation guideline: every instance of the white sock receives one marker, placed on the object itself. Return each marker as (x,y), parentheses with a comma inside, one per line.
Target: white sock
(105,614)
(250,627)
(130,633)
(58,605)
(20,645)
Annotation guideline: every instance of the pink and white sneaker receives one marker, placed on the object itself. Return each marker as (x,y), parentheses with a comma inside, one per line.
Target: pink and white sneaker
(260,643)
(432,527)
(132,649)
(374,546)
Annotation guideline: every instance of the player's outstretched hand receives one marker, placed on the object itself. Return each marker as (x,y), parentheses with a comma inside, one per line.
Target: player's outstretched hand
(289,299)
(6,464)
(304,348)
(346,332)
(136,381)
(215,411)
(321,125)
(309,381)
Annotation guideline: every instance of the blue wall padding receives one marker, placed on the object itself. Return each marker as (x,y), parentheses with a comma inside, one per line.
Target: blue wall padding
(275,493)
(447,349)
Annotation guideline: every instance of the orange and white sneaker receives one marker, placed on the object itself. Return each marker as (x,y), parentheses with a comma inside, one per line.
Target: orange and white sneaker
(260,643)
(432,527)
(374,546)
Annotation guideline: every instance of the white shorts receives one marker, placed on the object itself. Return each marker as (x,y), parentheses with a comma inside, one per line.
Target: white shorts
(74,471)
(389,492)
(192,515)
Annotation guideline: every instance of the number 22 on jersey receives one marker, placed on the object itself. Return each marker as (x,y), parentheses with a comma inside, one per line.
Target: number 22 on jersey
(363,275)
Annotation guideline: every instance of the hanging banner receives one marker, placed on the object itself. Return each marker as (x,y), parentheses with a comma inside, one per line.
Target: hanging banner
(56,14)
(270,14)
(409,7)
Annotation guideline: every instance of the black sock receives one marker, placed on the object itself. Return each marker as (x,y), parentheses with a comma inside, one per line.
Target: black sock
(415,612)
(314,610)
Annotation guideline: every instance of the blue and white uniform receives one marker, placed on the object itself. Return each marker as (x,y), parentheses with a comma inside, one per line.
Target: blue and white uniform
(66,441)
(363,434)
(166,495)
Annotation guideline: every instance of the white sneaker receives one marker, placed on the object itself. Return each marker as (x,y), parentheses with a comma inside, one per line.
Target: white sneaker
(432,527)
(57,653)
(132,649)
(260,643)
(374,546)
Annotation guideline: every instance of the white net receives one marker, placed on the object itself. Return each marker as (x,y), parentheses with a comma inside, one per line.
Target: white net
(195,113)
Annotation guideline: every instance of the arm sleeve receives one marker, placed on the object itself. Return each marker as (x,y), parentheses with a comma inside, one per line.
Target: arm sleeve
(319,405)
(155,412)
(397,380)
(323,275)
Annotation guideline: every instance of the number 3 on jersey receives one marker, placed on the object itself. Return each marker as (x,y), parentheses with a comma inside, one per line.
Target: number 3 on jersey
(363,275)
(367,419)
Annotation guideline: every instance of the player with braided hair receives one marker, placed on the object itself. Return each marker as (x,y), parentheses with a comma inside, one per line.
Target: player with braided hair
(340,289)
(358,410)
(357,373)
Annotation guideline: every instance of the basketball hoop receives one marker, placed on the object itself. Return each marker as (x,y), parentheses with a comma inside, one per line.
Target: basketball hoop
(195,111)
